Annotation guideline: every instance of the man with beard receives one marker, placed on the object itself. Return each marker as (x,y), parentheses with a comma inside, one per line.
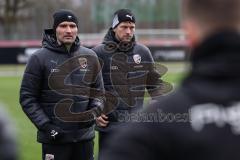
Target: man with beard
(62,92)
(128,69)
(204,110)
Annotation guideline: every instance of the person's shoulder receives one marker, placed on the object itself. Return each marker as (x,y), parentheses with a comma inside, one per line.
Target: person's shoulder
(39,53)
(143,50)
(142,47)
(98,46)
(87,51)
(99,49)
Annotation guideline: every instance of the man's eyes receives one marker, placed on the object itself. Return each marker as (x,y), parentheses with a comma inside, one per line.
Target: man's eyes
(65,26)
(73,26)
(131,28)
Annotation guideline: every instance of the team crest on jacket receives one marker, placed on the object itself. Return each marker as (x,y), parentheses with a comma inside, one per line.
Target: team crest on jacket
(137,58)
(82,62)
(49,157)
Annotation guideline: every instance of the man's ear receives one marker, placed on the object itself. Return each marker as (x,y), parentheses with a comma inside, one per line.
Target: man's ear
(193,32)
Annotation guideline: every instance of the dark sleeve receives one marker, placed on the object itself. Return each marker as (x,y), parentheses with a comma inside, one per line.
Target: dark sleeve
(30,92)
(97,94)
(155,85)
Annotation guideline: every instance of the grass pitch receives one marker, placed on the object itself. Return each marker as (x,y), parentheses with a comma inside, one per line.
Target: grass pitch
(10,80)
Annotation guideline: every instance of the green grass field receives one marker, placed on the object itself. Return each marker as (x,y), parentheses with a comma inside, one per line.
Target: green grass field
(10,79)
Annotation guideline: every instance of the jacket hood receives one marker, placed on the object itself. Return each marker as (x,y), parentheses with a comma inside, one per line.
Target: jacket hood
(218,55)
(215,69)
(50,42)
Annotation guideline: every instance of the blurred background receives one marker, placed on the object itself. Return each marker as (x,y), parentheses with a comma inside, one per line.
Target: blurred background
(25,19)
(158,25)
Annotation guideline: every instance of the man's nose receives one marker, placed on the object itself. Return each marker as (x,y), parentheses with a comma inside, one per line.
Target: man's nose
(128,30)
(68,29)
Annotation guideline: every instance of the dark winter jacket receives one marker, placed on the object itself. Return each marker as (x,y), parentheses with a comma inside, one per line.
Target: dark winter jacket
(128,69)
(58,85)
(201,119)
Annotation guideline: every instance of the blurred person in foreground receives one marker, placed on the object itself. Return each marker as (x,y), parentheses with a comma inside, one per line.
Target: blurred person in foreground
(128,69)
(200,120)
(8,144)
(62,92)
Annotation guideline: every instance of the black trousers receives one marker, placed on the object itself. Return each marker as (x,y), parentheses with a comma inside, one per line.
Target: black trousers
(103,140)
(69,151)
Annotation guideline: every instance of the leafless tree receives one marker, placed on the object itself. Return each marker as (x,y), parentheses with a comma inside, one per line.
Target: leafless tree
(11,12)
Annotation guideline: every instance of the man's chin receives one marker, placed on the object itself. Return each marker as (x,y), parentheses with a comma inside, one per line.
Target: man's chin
(126,40)
(69,42)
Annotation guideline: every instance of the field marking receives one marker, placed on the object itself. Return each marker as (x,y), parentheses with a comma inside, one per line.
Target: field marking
(11,73)
(18,70)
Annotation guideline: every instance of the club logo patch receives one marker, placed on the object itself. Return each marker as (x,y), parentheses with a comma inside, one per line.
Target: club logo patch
(83,62)
(137,58)
(49,157)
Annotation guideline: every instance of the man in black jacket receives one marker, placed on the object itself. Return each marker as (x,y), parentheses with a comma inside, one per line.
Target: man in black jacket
(200,120)
(62,92)
(128,69)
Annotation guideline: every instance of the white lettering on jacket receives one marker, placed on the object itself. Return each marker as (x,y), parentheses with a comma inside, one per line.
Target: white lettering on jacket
(219,115)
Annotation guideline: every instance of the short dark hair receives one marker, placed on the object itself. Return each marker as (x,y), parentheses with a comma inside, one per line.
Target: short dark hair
(214,13)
